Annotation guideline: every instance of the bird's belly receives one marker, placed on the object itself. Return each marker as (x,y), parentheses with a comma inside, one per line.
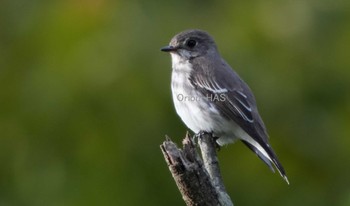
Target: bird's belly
(196,111)
(199,114)
(192,111)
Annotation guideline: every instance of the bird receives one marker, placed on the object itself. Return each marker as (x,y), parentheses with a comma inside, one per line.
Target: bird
(209,96)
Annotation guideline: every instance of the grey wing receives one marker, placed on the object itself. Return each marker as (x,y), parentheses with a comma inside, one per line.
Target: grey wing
(237,103)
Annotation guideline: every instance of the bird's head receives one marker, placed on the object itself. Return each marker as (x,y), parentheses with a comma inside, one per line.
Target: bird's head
(190,44)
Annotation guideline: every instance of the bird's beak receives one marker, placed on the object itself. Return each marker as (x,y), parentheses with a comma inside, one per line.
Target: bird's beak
(168,49)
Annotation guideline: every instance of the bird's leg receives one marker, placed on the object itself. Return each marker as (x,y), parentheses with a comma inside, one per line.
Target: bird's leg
(197,136)
(201,133)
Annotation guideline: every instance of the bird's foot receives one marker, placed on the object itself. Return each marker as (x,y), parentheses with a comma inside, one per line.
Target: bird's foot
(202,133)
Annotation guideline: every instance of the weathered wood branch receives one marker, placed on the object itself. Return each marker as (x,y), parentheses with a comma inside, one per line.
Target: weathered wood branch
(199,181)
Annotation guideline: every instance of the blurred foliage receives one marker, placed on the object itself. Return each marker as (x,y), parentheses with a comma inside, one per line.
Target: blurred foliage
(85,99)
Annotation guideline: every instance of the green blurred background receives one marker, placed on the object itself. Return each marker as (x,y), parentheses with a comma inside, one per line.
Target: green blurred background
(85,99)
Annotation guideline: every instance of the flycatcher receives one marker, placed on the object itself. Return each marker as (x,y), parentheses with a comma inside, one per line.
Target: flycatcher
(210,97)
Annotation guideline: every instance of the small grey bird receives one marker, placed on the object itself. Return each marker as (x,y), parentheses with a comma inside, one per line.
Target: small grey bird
(210,97)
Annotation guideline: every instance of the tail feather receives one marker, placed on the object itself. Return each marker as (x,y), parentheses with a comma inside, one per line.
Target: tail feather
(260,155)
(268,160)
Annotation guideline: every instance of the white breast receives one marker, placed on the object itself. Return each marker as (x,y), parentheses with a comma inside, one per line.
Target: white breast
(193,108)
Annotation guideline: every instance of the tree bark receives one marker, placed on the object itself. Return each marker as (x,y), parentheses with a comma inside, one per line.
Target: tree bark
(199,181)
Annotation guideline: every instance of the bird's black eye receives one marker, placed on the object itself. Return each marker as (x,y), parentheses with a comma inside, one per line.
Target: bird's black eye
(191,43)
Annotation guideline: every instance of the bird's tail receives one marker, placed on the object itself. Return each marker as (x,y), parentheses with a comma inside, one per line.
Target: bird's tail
(270,159)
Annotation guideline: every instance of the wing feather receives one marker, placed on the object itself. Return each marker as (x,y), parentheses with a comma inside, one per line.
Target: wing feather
(215,77)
